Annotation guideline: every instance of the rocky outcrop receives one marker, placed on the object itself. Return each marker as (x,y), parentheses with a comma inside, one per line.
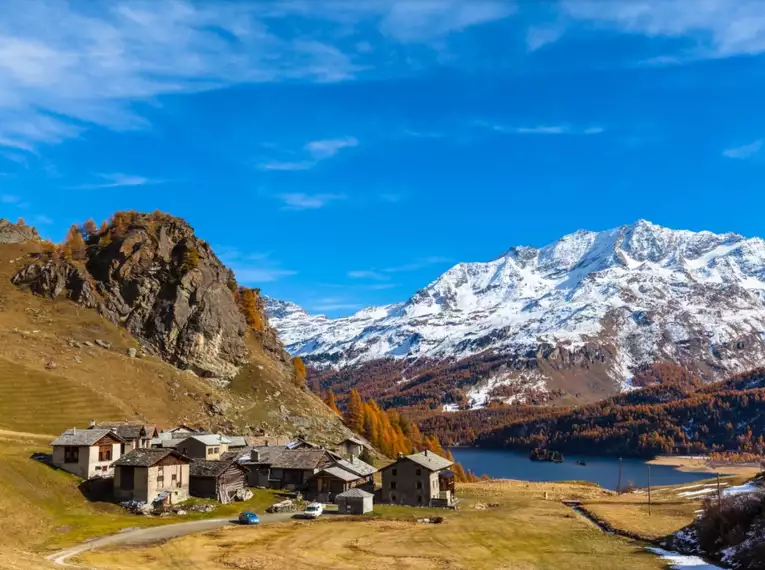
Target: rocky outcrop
(152,275)
(17,233)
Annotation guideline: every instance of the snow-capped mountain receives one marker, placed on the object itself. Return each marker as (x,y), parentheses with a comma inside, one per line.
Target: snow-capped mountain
(610,300)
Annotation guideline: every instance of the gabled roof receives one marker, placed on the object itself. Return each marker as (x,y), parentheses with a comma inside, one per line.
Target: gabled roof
(299,459)
(205,468)
(80,437)
(209,439)
(146,457)
(300,443)
(428,460)
(357,440)
(267,453)
(356,465)
(355,493)
(128,430)
(340,473)
(237,441)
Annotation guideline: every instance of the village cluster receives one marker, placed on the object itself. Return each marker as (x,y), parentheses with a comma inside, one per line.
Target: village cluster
(162,468)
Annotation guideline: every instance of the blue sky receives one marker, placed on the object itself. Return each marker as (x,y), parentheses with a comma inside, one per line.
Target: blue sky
(341,154)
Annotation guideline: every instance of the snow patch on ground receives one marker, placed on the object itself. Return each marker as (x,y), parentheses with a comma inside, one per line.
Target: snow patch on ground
(527,383)
(742,489)
(451,408)
(681,561)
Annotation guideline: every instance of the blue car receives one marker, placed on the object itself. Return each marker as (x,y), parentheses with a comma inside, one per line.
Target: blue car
(248,518)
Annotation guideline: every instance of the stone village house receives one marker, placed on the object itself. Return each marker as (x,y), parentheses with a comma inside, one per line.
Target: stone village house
(152,475)
(87,452)
(209,446)
(281,468)
(136,435)
(419,480)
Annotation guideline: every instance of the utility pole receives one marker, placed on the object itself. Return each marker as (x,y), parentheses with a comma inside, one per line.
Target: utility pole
(649,490)
(619,484)
(719,493)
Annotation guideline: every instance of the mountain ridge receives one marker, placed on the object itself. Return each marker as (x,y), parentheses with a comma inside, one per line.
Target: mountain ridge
(629,295)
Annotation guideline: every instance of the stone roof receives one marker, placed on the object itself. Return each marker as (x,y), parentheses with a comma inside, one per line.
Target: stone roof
(354,493)
(340,473)
(296,459)
(128,431)
(146,457)
(357,440)
(237,441)
(206,468)
(209,439)
(267,453)
(428,460)
(356,465)
(80,437)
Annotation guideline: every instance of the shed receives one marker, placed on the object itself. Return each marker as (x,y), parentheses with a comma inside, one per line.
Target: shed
(355,502)
(219,479)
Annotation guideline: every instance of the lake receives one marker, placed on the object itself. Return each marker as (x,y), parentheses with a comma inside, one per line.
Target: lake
(505,464)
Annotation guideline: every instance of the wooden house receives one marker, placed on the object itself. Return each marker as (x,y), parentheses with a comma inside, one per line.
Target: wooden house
(87,452)
(219,479)
(152,475)
(136,435)
(339,477)
(283,468)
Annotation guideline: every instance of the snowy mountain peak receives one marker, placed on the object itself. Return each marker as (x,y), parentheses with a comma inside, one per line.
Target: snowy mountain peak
(644,291)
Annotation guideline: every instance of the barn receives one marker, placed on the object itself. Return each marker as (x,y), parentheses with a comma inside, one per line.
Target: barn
(218,480)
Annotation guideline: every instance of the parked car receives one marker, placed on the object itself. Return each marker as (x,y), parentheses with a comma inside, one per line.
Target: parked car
(248,518)
(313,511)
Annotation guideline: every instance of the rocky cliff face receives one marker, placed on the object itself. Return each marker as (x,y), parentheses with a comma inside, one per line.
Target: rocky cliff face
(152,275)
(16,233)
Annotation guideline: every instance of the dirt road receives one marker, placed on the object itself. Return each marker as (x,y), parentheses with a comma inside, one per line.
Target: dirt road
(155,534)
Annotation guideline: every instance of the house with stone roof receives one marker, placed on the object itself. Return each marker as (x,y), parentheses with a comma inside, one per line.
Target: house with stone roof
(136,435)
(150,475)
(208,446)
(420,479)
(278,467)
(87,452)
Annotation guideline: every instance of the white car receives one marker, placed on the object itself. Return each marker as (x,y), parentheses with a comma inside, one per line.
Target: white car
(313,511)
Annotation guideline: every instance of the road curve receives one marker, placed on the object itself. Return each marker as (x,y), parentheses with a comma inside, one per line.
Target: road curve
(154,534)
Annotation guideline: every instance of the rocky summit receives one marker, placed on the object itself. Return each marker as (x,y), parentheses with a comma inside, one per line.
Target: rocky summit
(152,275)
(576,317)
(17,233)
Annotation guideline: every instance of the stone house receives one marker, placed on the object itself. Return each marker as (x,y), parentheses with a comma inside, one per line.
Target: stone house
(152,475)
(355,502)
(419,480)
(136,435)
(209,446)
(87,452)
(352,447)
(218,479)
(339,477)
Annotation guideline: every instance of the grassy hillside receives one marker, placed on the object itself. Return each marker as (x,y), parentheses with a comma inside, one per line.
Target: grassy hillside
(50,379)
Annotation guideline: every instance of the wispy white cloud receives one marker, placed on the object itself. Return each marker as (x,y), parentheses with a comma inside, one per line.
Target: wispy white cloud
(539,36)
(333,304)
(300,201)
(252,268)
(117,180)
(382,286)
(418,264)
(68,66)
(41,220)
(543,129)
(314,152)
(744,151)
(714,28)
(367,274)
(9,199)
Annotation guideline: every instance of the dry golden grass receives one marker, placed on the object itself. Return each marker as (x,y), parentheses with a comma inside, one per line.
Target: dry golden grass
(703,465)
(523,532)
(669,511)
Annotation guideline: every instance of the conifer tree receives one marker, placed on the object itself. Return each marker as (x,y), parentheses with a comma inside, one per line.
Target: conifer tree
(353,416)
(331,401)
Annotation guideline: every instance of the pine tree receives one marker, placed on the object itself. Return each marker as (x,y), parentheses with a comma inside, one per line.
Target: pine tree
(353,416)
(89,228)
(74,247)
(300,372)
(331,402)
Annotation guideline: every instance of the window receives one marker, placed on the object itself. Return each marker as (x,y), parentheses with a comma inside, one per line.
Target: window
(216,449)
(71,454)
(419,484)
(160,476)
(393,497)
(419,499)
(104,452)
(419,472)
(392,484)
(394,472)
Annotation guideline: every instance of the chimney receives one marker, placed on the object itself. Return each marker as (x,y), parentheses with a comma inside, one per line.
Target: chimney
(255,456)
(426,453)
(400,455)
(351,457)
(92,424)
(266,443)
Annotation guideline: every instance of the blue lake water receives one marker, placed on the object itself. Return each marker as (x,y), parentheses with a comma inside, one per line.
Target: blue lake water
(503,464)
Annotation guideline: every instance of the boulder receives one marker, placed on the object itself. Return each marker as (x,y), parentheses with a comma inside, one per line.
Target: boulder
(243,495)
(103,344)
(132,352)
